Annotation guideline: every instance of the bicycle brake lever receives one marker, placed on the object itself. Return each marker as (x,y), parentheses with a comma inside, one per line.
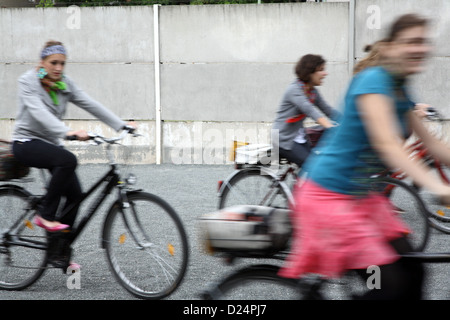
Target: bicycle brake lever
(129,128)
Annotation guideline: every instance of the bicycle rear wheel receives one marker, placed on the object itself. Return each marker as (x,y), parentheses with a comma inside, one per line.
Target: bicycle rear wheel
(410,208)
(254,186)
(146,246)
(22,245)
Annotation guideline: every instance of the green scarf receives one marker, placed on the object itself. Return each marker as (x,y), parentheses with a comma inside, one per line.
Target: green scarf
(59,85)
(52,88)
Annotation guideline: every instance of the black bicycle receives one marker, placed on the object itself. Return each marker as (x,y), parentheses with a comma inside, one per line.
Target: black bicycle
(145,241)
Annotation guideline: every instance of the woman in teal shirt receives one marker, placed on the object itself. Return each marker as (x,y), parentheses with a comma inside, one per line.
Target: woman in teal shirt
(343,226)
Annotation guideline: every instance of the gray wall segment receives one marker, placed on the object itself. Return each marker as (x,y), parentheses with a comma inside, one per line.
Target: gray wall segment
(233,63)
(95,34)
(127,89)
(269,33)
(9,74)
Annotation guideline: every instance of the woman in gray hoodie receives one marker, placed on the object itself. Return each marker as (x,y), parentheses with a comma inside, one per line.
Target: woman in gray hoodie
(43,95)
(301,100)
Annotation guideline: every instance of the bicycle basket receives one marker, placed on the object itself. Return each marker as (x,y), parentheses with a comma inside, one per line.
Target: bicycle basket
(247,229)
(253,154)
(10,168)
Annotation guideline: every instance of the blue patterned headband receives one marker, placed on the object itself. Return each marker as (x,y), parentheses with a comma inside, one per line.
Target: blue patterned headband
(53,50)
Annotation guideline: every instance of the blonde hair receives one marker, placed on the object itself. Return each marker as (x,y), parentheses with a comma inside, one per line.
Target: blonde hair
(373,57)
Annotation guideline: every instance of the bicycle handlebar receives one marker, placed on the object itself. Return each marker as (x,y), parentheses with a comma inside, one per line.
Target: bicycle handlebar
(97,138)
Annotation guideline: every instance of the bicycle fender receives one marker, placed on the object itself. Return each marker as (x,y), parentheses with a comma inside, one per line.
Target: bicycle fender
(14,186)
(236,172)
(265,171)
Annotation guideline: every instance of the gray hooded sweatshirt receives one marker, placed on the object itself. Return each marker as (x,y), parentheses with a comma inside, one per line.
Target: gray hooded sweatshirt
(39,118)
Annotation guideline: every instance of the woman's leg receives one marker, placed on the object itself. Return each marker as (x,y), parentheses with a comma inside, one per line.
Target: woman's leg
(401,280)
(72,194)
(60,162)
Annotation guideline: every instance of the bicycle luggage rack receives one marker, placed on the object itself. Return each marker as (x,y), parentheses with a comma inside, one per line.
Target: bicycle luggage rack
(434,257)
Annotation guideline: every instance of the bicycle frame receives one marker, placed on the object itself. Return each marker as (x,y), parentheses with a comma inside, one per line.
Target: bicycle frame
(112,179)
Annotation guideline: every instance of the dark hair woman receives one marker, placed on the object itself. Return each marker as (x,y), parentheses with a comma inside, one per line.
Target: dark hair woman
(301,100)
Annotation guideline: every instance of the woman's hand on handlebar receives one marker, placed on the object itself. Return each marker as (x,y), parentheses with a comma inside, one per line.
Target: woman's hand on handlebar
(131,125)
(81,135)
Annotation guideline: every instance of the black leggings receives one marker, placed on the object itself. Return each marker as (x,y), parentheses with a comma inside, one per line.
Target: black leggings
(401,280)
(64,182)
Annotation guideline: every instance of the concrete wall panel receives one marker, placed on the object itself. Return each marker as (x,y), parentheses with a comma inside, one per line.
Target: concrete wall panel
(253,33)
(96,34)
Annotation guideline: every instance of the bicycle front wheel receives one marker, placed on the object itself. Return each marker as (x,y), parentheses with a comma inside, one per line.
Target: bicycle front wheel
(256,282)
(409,206)
(22,245)
(146,246)
(254,186)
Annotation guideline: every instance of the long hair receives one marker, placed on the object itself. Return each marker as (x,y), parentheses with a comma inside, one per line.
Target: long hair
(373,57)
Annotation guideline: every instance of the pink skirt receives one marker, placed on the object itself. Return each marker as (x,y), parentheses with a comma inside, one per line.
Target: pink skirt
(335,232)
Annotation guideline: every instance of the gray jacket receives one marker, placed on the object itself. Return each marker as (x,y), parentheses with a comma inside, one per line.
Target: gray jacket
(294,103)
(39,118)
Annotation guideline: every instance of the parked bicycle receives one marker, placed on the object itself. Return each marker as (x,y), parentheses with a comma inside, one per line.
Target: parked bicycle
(145,241)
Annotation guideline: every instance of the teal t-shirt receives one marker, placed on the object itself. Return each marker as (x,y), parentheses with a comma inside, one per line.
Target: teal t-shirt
(345,159)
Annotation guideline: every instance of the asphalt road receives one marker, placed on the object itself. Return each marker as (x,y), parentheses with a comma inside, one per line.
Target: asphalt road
(191,190)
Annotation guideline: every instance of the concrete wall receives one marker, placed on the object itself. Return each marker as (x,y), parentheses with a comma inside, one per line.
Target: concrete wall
(223,68)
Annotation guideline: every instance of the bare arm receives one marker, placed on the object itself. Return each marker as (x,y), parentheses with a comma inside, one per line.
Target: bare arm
(325,122)
(377,112)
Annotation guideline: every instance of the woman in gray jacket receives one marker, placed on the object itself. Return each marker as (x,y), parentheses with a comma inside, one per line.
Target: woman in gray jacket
(43,95)
(301,100)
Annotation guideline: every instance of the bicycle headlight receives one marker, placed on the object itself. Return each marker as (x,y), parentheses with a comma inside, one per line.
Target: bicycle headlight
(131,179)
